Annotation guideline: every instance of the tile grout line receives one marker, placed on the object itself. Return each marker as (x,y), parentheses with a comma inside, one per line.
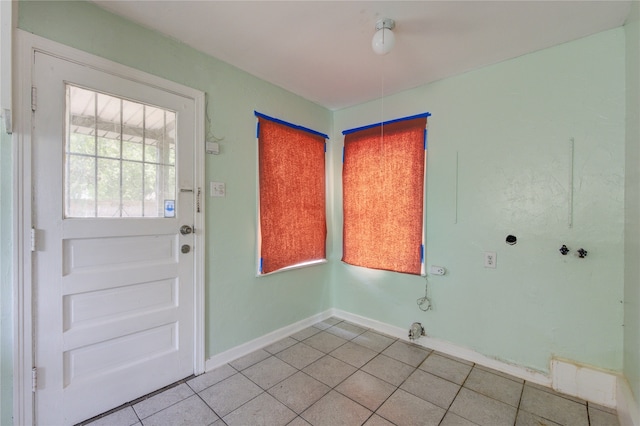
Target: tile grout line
(297,370)
(138,400)
(275,356)
(333,388)
(220,381)
(210,407)
(373,412)
(519,403)
(458,393)
(175,385)
(359,356)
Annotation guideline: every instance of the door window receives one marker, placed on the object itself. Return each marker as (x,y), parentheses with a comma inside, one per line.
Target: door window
(120,157)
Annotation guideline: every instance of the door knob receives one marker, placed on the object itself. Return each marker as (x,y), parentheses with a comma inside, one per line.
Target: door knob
(186,248)
(186,229)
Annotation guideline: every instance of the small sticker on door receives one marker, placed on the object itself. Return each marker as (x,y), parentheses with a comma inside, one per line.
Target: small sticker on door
(169,208)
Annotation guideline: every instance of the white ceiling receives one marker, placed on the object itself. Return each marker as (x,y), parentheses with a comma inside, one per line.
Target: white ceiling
(321,50)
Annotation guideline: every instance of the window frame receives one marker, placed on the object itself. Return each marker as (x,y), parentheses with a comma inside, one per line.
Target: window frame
(259,261)
(423,224)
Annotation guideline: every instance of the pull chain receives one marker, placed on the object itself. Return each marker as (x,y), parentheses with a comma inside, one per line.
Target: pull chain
(425,300)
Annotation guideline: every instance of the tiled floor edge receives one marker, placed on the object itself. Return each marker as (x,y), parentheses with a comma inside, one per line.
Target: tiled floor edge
(627,407)
(448,348)
(241,350)
(381,327)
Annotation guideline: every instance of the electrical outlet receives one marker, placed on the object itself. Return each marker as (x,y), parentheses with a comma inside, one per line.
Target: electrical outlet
(490,259)
(436,270)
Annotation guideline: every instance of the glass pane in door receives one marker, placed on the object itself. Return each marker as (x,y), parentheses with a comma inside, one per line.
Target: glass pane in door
(119,156)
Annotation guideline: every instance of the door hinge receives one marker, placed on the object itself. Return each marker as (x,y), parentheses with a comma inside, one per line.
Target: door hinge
(34,379)
(34,98)
(34,240)
(8,122)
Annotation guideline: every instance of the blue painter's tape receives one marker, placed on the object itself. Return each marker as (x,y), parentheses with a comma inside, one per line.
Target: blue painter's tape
(261,259)
(257,130)
(325,147)
(421,253)
(425,138)
(343,155)
(293,126)
(385,123)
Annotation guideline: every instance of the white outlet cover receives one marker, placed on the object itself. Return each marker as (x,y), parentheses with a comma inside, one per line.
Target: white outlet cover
(490,259)
(217,189)
(437,270)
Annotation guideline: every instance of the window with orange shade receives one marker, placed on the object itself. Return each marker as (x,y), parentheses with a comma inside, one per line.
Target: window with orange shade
(383,177)
(292,209)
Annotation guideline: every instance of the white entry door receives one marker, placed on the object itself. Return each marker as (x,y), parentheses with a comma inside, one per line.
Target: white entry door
(113,177)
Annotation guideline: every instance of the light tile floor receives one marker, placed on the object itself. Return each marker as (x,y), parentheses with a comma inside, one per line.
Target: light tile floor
(337,373)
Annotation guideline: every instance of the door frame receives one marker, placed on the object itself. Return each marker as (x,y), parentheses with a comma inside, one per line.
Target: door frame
(24,333)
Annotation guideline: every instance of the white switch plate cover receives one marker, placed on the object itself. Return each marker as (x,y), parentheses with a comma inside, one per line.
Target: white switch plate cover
(218,189)
(490,259)
(212,148)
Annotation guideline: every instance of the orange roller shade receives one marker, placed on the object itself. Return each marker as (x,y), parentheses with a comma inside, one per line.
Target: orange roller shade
(292,196)
(383,192)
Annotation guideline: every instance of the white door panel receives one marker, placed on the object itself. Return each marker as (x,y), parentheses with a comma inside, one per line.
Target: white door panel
(114,296)
(91,253)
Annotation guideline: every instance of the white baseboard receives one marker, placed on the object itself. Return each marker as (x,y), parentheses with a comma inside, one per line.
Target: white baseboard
(628,410)
(584,382)
(269,338)
(449,349)
(604,388)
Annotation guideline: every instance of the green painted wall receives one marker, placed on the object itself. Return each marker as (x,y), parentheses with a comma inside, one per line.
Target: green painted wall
(239,307)
(510,126)
(632,205)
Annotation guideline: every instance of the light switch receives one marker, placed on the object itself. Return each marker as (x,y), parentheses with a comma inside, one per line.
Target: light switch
(217,189)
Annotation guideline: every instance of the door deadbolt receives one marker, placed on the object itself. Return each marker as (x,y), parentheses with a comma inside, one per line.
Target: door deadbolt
(186,229)
(186,248)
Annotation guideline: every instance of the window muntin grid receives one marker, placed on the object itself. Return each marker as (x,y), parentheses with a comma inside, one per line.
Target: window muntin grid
(120,156)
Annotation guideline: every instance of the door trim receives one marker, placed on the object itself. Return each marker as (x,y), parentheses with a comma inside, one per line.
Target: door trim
(24,404)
